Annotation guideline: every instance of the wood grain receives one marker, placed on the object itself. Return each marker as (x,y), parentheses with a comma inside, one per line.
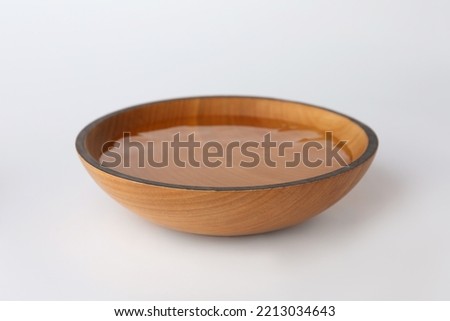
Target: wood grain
(219,210)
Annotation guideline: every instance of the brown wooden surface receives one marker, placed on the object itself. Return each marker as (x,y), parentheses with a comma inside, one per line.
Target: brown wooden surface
(227,212)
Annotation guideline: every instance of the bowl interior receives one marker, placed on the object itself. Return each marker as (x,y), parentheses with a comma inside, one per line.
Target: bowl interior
(186,142)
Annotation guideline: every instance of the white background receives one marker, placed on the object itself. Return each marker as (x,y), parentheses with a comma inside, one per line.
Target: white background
(65,63)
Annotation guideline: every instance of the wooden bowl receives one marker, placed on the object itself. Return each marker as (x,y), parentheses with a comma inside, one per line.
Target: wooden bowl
(230,199)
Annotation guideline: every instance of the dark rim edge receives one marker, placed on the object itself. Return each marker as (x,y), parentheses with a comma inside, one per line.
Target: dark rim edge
(371,149)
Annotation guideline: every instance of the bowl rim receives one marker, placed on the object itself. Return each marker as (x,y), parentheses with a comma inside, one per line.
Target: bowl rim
(371,149)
